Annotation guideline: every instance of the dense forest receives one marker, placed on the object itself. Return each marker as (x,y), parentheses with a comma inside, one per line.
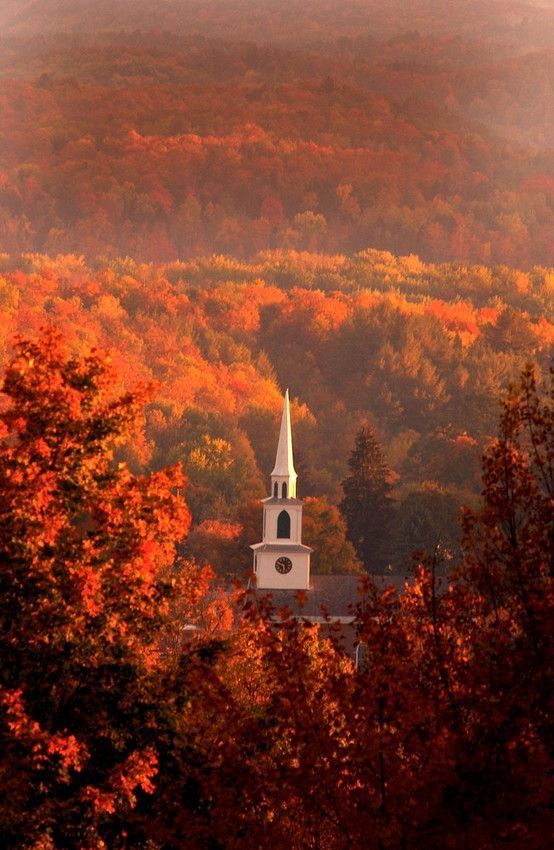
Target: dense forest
(515,22)
(229,132)
(202,204)
(420,353)
(355,203)
(139,708)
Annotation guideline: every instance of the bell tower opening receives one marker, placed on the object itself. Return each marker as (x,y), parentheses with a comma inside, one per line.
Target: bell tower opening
(283,525)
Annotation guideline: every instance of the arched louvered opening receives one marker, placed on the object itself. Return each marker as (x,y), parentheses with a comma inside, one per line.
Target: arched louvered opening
(276,490)
(283,525)
(284,490)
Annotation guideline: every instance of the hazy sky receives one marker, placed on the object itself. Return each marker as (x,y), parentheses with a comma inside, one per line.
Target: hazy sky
(313,18)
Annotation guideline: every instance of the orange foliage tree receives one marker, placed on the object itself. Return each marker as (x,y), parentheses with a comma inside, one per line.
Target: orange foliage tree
(87,553)
(439,739)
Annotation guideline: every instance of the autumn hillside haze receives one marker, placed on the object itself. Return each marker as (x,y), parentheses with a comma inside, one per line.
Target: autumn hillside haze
(234,128)
(353,200)
(520,22)
(276,424)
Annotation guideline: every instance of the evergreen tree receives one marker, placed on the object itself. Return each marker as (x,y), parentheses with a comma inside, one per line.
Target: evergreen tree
(366,505)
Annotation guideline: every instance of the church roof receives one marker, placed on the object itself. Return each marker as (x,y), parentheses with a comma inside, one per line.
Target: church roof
(273,500)
(337,594)
(284,461)
(282,546)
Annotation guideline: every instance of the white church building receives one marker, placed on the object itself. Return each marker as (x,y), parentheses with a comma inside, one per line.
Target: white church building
(281,561)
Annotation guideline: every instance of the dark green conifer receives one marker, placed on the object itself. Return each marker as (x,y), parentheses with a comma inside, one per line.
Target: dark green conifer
(367,506)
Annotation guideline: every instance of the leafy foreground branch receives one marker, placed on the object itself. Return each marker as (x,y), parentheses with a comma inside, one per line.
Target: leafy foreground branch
(116,733)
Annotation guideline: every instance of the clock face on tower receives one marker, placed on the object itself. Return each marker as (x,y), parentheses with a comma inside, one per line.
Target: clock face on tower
(283,565)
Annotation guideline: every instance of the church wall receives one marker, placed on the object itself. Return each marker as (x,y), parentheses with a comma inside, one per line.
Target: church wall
(271,513)
(268,578)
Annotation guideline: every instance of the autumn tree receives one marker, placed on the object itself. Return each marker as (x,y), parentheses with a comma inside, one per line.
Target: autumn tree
(458,676)
(367,506)
(87,552)
(441,737)
(512,332)
(426,520)
(324,530)
(219,463)
(508,567)
(226,545)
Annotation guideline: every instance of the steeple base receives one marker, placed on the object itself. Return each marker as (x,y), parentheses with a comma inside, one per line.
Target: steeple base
(281,566)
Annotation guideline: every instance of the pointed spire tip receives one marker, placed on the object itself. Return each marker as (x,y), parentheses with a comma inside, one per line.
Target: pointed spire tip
(284,463)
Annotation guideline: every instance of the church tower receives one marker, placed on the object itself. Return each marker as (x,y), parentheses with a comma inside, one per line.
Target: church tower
(281,561)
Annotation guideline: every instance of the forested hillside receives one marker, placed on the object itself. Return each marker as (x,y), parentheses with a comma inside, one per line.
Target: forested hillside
(354,201)
(142,708)
(202,204)
(419,352)
(228,130)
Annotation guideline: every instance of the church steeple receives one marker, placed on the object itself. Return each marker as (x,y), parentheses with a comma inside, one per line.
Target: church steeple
(283,477)
(281,561)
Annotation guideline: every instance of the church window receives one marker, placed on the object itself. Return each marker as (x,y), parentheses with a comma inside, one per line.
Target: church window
(275,490)
(284,491)
(283,525)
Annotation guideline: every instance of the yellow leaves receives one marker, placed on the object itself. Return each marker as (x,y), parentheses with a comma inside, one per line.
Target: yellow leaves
(109,308)
(212,453)
(413,264)
(544,330)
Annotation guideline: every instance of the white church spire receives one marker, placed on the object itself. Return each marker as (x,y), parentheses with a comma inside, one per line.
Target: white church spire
(281,561)
(284,461)
(283,477)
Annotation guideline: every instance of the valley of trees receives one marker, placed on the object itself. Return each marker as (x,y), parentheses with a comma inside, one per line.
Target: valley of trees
(202,203)
(117,731)
(417,353)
